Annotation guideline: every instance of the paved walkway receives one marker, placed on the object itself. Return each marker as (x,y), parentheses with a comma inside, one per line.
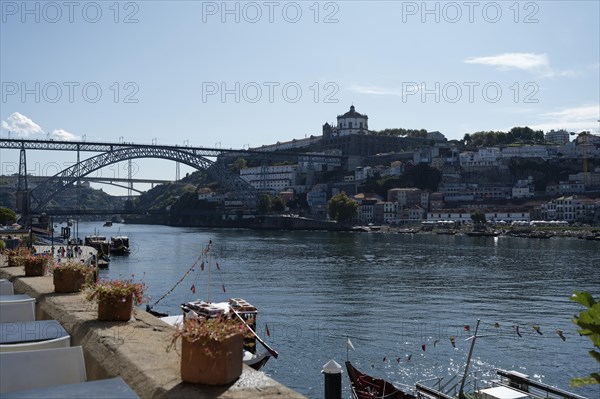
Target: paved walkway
(85,254)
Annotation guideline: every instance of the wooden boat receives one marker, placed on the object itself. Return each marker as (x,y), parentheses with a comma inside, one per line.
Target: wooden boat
(364,386)
(100,243)
(234,308)
(119,245)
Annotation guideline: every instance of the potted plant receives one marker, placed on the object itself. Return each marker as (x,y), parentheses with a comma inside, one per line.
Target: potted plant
(115,298)
(35,265)
(70,276)
(211,349)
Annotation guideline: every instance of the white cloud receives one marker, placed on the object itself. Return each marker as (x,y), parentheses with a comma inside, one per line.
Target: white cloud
(576,119)
(379,91)
(530,62)
(63,135)
(21,125)
(525,61)
(407,89)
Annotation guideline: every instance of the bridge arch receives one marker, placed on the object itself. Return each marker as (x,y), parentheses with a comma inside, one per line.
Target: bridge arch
(42,194)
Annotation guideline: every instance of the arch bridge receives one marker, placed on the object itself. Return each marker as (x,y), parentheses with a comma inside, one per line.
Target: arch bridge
(197,157)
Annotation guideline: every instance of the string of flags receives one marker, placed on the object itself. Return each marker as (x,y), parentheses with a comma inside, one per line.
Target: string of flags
(205,252)
(511,329)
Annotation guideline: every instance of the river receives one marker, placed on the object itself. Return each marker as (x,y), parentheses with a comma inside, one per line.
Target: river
(398,297)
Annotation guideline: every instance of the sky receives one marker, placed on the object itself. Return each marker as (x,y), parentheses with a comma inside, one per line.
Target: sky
(239,74)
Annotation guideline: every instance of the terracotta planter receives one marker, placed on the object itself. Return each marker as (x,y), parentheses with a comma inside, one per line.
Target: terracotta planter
(68,280)
(35,268)
(212,363)
(114,308)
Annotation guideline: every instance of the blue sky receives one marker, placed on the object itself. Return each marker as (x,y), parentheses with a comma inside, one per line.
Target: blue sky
(250,73)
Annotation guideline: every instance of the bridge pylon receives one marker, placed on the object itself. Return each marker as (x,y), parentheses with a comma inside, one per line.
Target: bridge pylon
(22,204)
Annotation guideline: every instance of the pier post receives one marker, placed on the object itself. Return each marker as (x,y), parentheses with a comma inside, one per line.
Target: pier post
(333,380)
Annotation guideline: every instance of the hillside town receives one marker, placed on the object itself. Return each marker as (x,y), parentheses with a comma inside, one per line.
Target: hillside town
(416,176)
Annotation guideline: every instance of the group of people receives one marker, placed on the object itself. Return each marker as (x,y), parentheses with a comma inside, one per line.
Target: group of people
(70,252)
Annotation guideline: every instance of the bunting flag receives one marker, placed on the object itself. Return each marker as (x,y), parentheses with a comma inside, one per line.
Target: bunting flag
(537,329)
(398,359)
(193,288)
(267,330)
(218,267)
(384,359)
(560,334)
(467,327)
(435,343)
(202,266)
(350,345)
(423,347)
(223,285)
(453,341)
(408,358)
(516,326)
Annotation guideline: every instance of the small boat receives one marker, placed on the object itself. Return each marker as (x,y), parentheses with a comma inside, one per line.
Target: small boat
(100,244)
(119,245)
(482,233)
(234,308)
(364,386)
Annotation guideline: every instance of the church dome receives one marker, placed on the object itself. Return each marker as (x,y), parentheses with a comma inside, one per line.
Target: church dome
(353,114)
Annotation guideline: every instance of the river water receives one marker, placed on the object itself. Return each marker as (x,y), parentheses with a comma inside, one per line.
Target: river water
(397,297)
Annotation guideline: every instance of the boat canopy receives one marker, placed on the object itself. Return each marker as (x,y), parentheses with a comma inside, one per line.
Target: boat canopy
(501,392)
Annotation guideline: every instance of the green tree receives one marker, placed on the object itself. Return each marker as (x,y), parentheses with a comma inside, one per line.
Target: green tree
(7,215)
(264,203)
(478,218)
(239,164)
(589,322)
(277,204)
(342,208)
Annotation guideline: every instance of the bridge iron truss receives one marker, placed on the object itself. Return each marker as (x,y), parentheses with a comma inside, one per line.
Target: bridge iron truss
(46,191)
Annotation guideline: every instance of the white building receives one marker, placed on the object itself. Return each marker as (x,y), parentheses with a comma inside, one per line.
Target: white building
(527,151)
(362,173)
(488,156)
(557,136)
(352,122)
(508,217)
(523,188)
(271,178)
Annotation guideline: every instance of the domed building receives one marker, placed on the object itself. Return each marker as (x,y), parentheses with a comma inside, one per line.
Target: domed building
(352,122)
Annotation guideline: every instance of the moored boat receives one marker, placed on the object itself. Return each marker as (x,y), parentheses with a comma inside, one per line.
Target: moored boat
(236,308)
(119,245)
(364,386)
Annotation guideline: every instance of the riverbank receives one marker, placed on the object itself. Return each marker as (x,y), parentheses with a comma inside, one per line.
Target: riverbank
(133,350)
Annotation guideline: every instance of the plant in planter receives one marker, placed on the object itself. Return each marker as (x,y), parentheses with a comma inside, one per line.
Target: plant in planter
(35,265)
(70,276)
(15,256)
(115,298)
(211,349)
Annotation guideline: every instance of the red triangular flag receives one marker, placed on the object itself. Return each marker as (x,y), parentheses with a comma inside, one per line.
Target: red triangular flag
(193,288)
(467,328)
(223,285)
(202,265)
(267,330)
(218,267)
